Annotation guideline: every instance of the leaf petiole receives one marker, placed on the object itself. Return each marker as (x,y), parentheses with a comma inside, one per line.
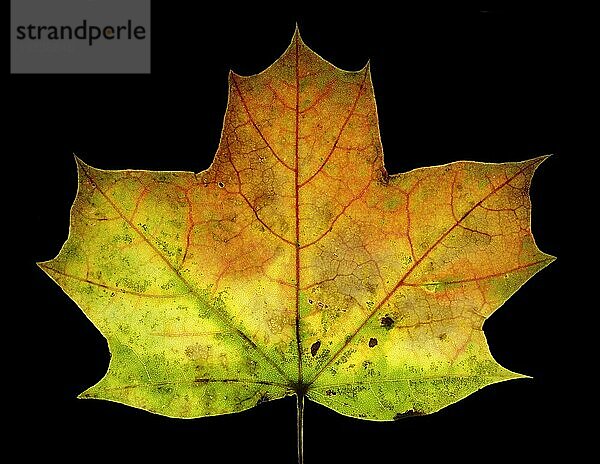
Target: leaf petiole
(300,426)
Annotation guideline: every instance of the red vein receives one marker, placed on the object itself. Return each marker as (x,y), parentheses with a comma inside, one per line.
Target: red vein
(408,226)
(477,279)
(201,381)
(189,229)
(192,290)
(344,209)
(280,281)
(321,282)
(256,126)
(350,113)
(239,192)
(266,226)
(350,338)
(186,334)
(297,208)
(138,201)
(278,97)
(407,379)
(429,322)
(108,287)
(319,98)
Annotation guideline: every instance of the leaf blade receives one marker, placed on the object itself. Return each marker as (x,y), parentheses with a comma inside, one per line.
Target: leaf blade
(295,263)
(434,332)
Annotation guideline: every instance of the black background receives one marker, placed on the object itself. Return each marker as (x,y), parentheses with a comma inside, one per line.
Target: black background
(450,85)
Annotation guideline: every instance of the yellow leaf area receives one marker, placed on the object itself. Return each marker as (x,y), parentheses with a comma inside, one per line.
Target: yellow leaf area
(295,264)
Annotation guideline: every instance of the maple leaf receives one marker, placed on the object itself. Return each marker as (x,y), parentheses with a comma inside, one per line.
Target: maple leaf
(295,265)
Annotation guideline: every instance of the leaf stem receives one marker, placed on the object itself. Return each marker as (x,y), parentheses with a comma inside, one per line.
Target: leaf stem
(300,426)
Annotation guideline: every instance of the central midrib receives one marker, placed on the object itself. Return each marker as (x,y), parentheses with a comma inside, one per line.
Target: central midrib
(297,211)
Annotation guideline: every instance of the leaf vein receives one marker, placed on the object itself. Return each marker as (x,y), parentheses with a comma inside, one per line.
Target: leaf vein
(222,317)
(401,281)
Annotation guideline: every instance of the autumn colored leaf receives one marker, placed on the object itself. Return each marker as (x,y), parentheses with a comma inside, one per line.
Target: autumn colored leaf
(295,265)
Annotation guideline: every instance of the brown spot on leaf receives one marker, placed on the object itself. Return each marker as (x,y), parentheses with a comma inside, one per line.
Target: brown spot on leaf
(384,176)
(387,322)
(330,392)
(409,413)
(443,336)
(372,342)
(315,347)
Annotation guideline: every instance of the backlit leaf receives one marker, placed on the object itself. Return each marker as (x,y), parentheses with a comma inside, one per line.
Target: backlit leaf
(295,264)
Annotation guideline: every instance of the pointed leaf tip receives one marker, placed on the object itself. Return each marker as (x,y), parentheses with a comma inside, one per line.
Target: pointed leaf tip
(543,158)
(82,166)
(78,160)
